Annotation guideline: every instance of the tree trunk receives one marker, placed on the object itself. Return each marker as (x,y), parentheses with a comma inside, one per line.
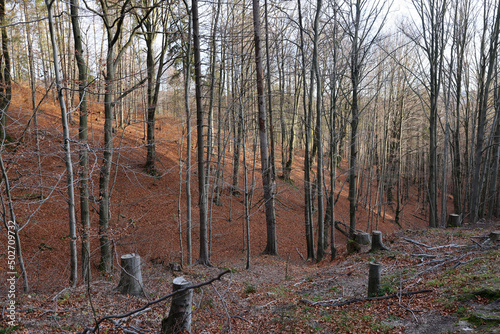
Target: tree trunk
(131,276)
(202,203)
(493,191)
(487,70)
(5,83)
(319,137)
(355,68)
(267,183)
(179,317)
(377,243)
(82,136)
(307,168)
(272,159)
(374,279)
(151,109)
(187,77)
(67,153)
(455,220)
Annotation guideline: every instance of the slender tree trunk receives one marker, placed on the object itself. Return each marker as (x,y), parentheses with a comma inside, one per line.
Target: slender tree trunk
(488,61)
(82,136)
(267,182)
(272,153)
(6,86)
(353,158)
(495,158)
(67,151)
(202,203)
(187,84)
(307,161)
(319,136)
(150,122)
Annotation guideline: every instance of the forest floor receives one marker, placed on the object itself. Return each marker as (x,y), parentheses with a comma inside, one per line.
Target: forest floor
(460,266)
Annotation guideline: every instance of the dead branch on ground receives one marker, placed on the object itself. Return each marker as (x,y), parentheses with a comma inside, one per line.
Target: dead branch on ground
(144,307)
(358,300)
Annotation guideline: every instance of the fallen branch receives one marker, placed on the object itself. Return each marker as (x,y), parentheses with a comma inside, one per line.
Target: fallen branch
(347,228)
(340,229)
(409,310)
(460,263)
(357,300)
(445,246)
(144,307)
(271,302)
(241,318)
(301,256)
(433,261)
(477,243)
(416,242)
(424,255)
(321,302)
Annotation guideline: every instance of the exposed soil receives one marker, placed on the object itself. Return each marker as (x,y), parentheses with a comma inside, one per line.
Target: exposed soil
(278,294)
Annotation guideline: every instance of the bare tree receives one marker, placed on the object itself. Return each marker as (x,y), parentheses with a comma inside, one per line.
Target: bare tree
(487,68)
(267,182)
(5,77)
(82,136)
(67,150)
(202,189)
(431,39)
(113,17)
(307,161)
(360,23)
(315,72)
(159,16)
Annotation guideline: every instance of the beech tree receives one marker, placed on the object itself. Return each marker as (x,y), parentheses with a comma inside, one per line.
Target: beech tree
(359,22)
(5,77)
(488,67)
(67,150)
(83,137)
(202,189)
(430,37)
(267,182)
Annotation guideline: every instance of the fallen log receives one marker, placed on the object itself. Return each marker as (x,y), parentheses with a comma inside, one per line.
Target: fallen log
(358,300)
(416,242)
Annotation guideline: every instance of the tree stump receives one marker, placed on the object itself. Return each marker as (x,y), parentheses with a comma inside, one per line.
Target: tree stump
(131,277)
(361,243)
(377,243)
(374,279)
(494,236)
(179,317)
(454,220)
(362,238)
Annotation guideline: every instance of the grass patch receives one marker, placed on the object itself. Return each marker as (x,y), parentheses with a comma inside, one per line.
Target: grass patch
(9,329)
(249,289)
(281,291)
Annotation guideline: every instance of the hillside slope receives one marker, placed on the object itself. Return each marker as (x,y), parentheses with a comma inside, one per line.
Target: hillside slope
(148,213)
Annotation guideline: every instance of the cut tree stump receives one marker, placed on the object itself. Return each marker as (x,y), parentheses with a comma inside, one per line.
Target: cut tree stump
(374,279)
(179,317)
(362,238)
(131,277)
(377,244)
(494,236)
(360,244)
(454,220)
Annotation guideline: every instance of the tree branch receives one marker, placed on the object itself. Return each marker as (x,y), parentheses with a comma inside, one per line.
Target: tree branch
(142,308)
(357,300)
